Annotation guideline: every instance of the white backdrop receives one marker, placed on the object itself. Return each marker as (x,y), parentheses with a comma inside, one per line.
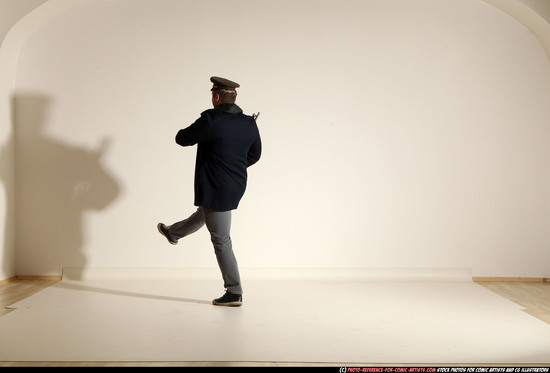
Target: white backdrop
(397,134)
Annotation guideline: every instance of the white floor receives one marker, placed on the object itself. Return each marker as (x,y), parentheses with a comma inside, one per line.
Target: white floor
(288,316)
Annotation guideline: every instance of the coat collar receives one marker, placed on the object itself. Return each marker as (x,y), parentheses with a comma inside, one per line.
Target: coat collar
(229,108)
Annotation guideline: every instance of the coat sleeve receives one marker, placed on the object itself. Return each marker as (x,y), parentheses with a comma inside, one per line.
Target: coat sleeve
(254,152)
(195,133)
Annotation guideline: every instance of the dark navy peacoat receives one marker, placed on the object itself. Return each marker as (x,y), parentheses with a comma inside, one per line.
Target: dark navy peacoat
(228,143)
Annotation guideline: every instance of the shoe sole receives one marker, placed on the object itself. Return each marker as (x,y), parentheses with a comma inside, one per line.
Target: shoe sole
(228,304)
(161,232)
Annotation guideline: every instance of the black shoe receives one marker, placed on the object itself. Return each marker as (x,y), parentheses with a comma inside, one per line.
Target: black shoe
(229,300)
(164,231)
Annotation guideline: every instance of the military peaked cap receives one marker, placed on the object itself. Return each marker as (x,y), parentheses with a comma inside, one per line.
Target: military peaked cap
(222,83)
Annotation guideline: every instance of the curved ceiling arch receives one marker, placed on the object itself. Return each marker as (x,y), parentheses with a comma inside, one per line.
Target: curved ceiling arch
(26,22)
(533,14)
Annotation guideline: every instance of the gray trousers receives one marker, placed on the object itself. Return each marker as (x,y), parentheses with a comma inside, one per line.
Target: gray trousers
(218,224)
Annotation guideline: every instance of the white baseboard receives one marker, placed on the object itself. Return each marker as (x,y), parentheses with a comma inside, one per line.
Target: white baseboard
(344,274)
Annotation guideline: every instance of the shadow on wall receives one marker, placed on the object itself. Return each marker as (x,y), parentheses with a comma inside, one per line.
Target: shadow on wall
(56,183)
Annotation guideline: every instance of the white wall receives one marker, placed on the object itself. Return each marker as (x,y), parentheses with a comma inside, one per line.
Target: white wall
(11,11)
(396,134)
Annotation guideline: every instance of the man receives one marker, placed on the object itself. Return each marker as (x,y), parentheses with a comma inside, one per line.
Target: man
(228,143)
